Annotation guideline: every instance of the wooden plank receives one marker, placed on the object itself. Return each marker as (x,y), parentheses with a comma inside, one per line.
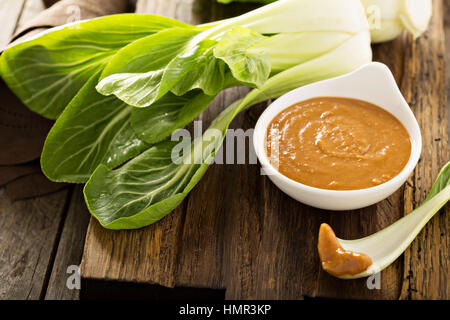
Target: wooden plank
(28,235)
(269,250)
(426,265)
(250,238)
(148,255)
(108,254)
(29,229)
(112,255)
(366,221)
(258,243)
(446,14)
(192,11)
(70,249)
(237,232)
(202,262)
(10,11)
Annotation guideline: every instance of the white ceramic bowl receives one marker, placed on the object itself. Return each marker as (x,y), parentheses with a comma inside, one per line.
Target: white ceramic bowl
(374,83)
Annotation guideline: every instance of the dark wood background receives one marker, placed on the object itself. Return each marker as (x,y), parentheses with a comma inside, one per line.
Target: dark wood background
(236,235)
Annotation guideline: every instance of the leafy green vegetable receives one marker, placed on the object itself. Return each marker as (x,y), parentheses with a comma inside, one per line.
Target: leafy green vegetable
(178,61)
(388,18)
(171,74)
(93,129)
(168,114)
(442,181)
(135,74)
(150,186)
(399,235)
(46,72)
(248,67)
(303,46)
(197,68)
(191,64)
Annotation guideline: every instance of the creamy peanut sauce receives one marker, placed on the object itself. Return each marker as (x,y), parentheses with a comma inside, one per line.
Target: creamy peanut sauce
(337,143)
(337,261)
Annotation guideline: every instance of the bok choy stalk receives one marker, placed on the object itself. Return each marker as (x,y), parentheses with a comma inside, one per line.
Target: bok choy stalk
(399,235)
(388,18)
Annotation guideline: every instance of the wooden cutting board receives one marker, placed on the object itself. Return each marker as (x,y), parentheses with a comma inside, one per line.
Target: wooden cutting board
(237,236)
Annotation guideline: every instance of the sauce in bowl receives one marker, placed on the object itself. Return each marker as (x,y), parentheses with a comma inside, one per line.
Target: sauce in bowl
(337,143)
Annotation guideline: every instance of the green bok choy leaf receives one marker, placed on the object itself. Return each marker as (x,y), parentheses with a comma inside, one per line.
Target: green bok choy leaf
(93,129)
(47,71)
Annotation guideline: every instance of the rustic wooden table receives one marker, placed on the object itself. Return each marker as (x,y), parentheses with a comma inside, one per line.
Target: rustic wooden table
(236,235)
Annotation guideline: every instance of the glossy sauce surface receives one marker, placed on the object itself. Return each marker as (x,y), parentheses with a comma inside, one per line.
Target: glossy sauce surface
(337,143)
(337,261)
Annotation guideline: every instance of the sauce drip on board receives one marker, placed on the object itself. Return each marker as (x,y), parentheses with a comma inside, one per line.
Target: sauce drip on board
(337,143)
(337,261)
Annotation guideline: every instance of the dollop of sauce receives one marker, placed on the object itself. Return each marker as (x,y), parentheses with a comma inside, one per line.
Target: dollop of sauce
(337,143)
(337,261)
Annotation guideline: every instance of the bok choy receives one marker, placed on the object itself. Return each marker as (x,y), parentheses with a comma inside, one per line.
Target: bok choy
(150,186)
(388,18)
(399,235)
(119,86)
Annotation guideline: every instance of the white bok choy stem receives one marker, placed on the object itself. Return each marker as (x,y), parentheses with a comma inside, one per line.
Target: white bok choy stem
(311,19)
(388,18)
(386,245)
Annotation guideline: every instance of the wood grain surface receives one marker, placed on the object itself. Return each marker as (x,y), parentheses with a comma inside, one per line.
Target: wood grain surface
(426,263)
(69,249)
(29,232)
(236,235)
(39,238)
(29,229)
(237,232)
